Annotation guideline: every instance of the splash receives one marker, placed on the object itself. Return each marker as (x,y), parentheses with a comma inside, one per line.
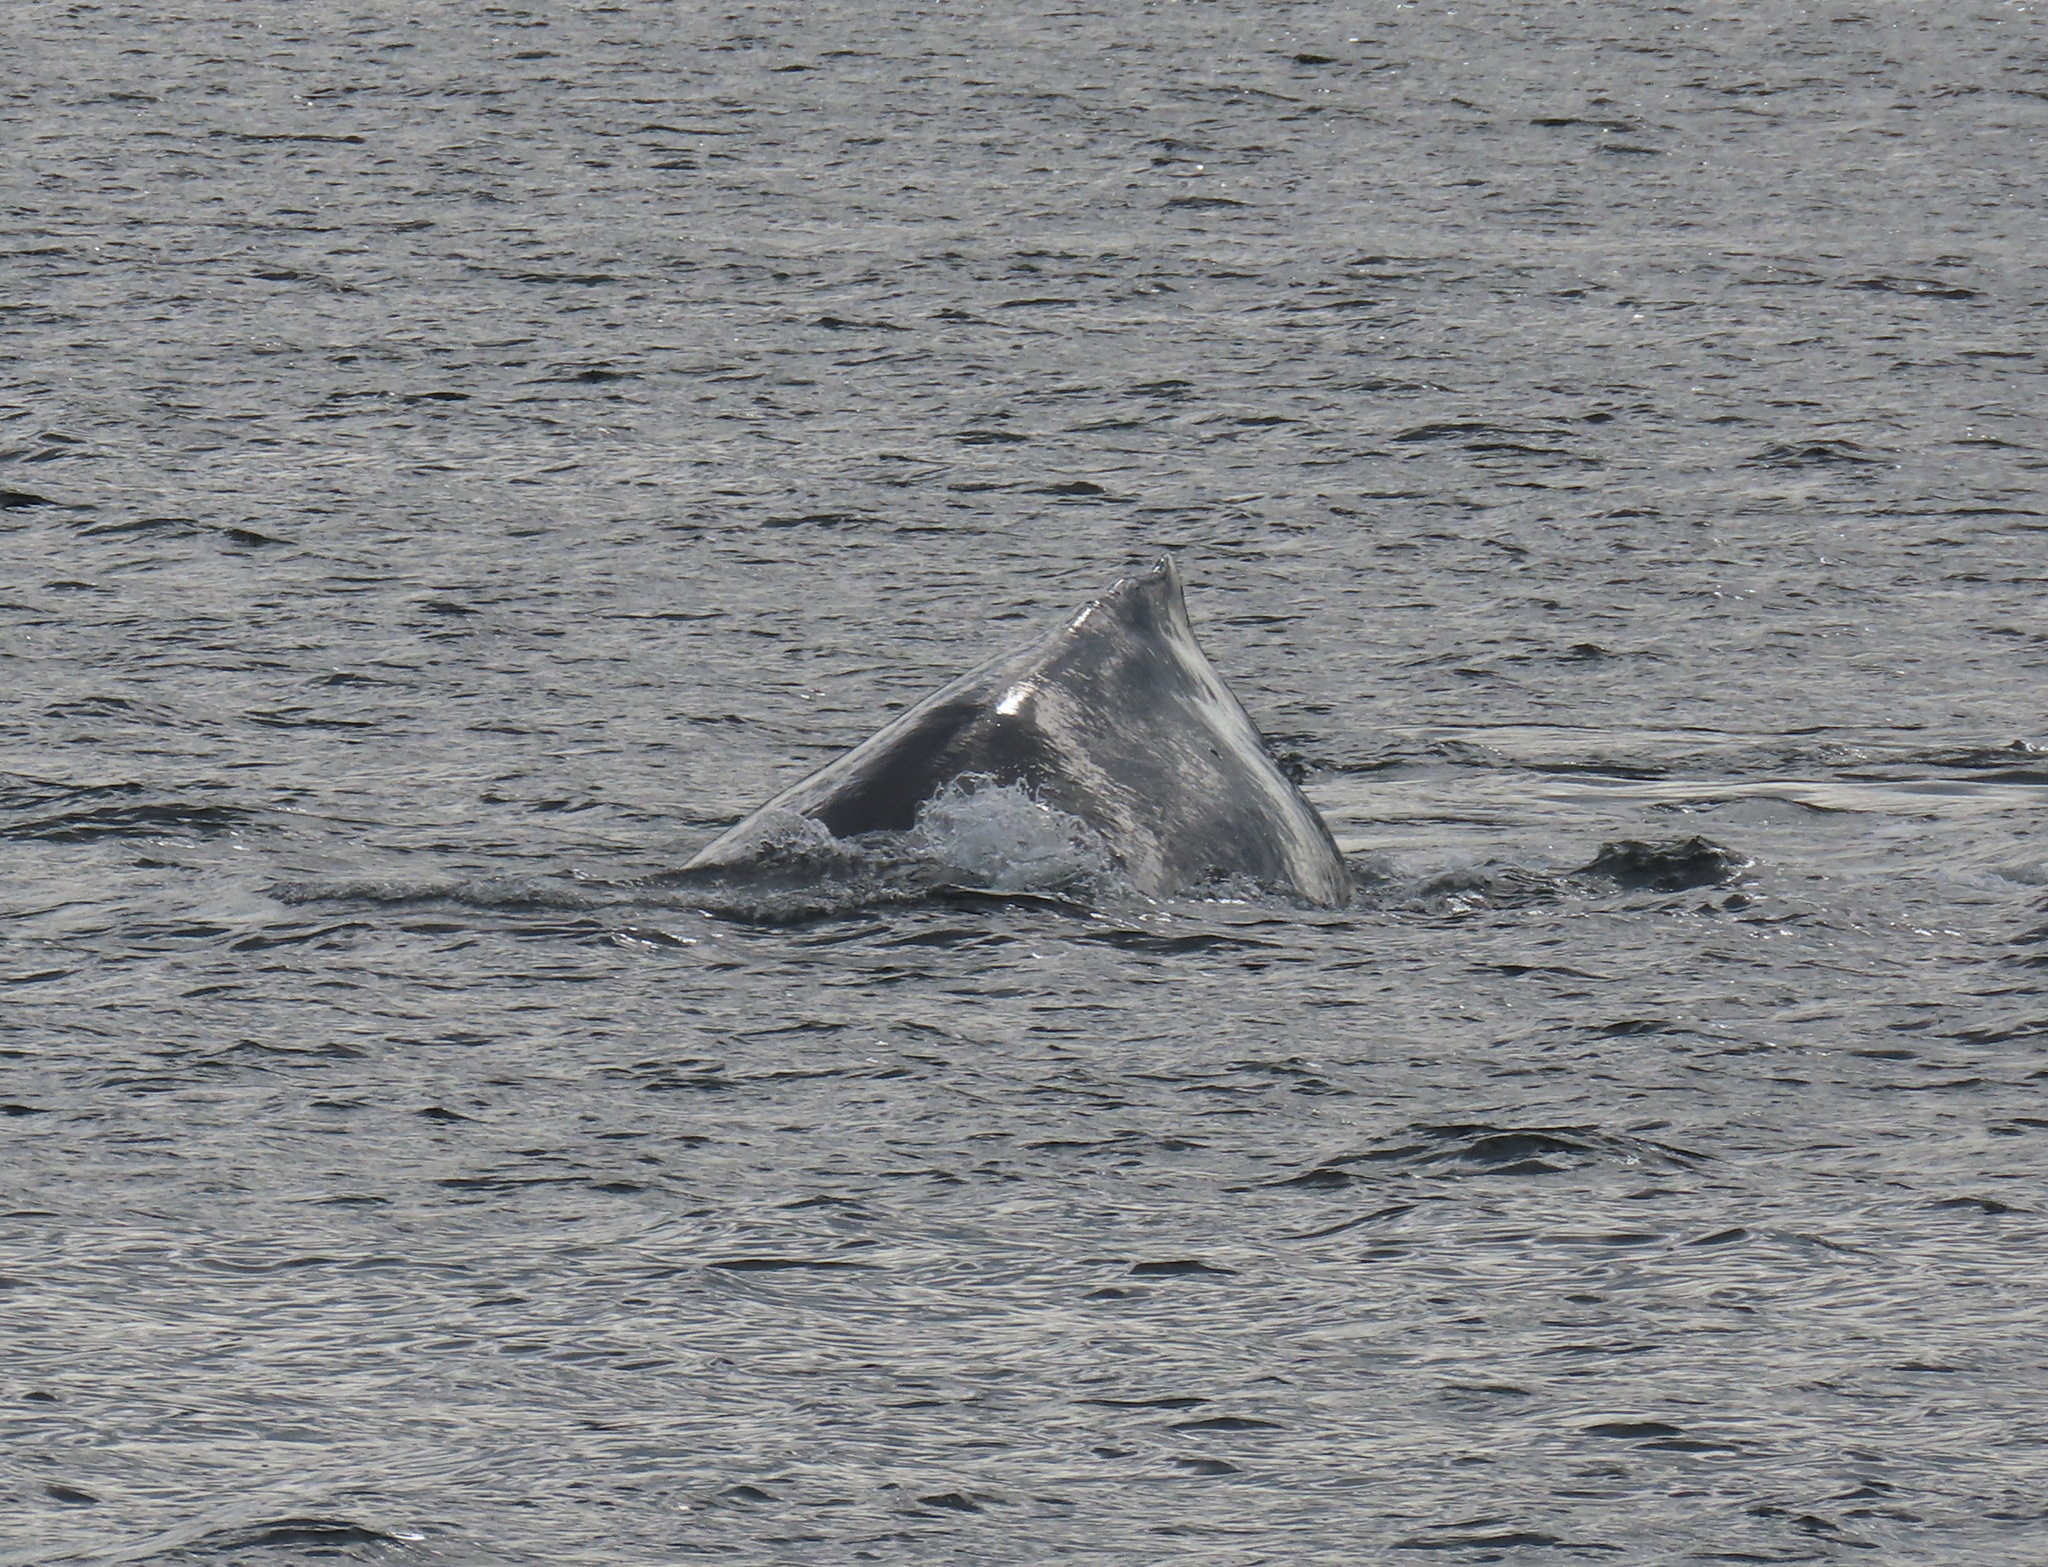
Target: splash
(998,838)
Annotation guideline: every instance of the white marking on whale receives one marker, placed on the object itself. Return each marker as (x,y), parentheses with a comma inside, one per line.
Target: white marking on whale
(1117,719)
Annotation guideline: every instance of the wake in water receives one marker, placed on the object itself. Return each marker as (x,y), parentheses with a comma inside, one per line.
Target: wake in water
(974,836)
(977,838)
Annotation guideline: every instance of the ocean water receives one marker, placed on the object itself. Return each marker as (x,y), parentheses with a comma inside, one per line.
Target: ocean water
(456,459)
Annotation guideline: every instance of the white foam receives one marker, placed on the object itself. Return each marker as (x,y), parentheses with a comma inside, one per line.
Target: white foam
(997,836)
(786,835)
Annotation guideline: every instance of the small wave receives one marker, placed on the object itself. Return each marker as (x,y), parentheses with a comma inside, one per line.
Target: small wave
(1481,1148)
(135,819)
(221,1536)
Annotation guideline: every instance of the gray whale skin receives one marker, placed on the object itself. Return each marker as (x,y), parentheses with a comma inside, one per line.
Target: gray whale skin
(1116,718)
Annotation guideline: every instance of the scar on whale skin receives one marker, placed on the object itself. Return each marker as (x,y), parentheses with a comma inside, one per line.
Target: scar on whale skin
(1117,719)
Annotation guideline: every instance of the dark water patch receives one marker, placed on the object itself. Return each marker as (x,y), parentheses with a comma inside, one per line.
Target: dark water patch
(1170,1402)
(1458,894)
(160,526)
(819,519)
(299,936)
(97,706)
(690,1073)
(156,819)
(956,1501)
(288,1538)
(1493,1543)
(1984,1205)
(348,140)
(1324,1178)
(1343,1178)
(1690,1444)
(1509,1152)
(1915,287)
(1813,454)
(1223,1424)
(951,938)
(1674,865)
(1726,1237)
(506,1184)
(306,718)
(572,279)
(1483,1148)
(1456,431)
(1168,944)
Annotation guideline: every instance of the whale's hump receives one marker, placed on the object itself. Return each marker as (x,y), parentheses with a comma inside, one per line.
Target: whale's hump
(1116,719)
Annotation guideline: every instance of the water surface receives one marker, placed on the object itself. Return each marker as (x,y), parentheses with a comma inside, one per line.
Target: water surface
(456,462)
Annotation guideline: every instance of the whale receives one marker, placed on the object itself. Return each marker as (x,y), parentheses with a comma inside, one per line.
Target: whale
(1115,718)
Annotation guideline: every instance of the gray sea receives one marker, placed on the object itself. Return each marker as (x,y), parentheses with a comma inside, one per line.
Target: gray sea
(456,458)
